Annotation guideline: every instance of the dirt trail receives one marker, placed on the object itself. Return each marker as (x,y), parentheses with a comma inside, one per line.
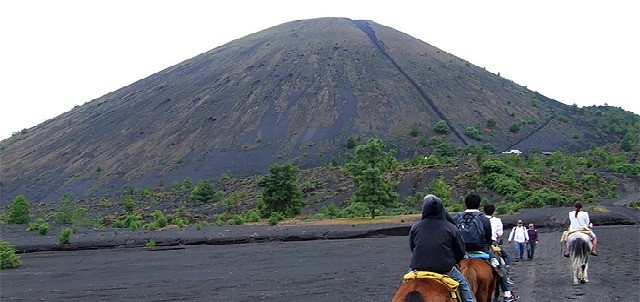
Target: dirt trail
(366,269)
(613,276)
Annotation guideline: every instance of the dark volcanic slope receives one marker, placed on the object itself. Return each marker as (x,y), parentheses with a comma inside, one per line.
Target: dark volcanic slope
(296,91)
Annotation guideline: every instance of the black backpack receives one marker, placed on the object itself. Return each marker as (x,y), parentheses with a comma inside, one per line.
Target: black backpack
(472,231)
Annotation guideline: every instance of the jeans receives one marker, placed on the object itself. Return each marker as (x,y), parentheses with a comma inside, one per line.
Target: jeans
(519,247)
(531,249)
(502,282)
(465,289)
(503,252)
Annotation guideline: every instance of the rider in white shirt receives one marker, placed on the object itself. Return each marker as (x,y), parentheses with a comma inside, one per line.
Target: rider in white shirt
(496,231)
(579,221)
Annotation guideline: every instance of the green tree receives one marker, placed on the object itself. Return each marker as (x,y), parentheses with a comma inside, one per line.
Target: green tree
(176,186)
(281,192)
(19,212)
(65,209)
(415,130)
(187,184)
(374,191)
(371,155)
(630,141)
(439,187)
(445,150)
(205,192)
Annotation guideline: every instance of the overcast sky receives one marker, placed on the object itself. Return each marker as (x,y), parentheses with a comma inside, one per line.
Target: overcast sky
(58,54)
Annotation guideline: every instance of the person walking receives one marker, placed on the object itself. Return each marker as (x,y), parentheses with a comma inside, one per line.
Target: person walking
(533,241)
(437,246)
(519,237)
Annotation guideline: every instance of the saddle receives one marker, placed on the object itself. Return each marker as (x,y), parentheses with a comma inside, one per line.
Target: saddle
(444,279)
(486,257)
(566,234)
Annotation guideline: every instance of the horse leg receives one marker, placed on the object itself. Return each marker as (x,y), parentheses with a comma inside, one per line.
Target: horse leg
(496,292)
(585,277)
(576,269)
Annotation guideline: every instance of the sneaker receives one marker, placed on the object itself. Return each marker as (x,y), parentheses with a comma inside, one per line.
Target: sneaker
(594,254)
(566,255)
(511,298)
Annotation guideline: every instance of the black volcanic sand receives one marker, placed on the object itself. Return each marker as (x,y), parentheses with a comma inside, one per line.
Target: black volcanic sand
(295,263)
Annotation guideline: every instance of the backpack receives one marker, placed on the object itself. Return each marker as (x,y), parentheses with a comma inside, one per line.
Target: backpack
(472,231)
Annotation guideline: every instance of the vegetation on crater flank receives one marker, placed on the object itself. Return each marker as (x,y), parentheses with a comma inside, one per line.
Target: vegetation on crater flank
(371,182)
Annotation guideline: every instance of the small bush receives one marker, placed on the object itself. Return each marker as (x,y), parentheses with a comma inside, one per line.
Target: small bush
(39,225)
(331,211)
(252,216)
(151,244)
(441,127)
(65,235)
(508,208)
(129,204)
(8,257)
(474,133)
(236,220)
(159,221)
(275,217)
(131,221)
(179,222)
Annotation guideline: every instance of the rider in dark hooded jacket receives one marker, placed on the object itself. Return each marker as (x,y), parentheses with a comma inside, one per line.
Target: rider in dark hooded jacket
(437,245)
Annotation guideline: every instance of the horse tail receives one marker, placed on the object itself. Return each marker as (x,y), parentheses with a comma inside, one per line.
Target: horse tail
(413,296)
(580,251)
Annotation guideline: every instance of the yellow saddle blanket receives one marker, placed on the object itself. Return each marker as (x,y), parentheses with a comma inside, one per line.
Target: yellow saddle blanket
(444,279)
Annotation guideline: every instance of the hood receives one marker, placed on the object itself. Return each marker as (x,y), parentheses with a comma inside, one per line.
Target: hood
(432,207)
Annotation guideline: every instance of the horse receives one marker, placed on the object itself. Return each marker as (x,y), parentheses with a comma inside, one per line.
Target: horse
(481,277)
(579,247)
(428,289)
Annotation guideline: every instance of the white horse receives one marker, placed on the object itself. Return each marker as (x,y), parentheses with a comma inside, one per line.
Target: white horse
(579,245)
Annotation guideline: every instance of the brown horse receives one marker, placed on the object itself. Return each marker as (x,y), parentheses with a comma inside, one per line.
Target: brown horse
(424,290)
(481,276)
